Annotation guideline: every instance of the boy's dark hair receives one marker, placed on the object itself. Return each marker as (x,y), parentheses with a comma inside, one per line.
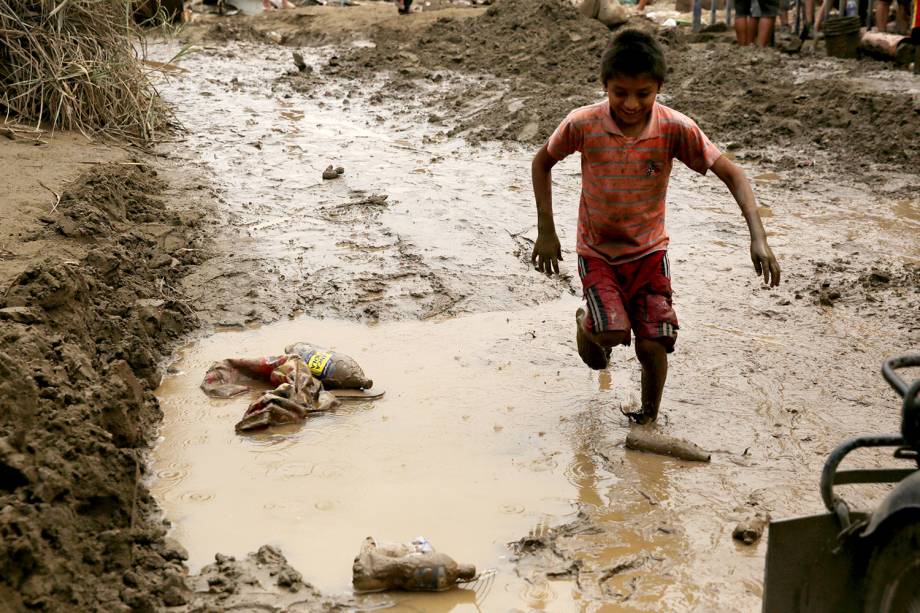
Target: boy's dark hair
(633,53)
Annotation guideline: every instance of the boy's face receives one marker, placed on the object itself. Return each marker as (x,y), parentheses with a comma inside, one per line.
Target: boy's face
(632,98)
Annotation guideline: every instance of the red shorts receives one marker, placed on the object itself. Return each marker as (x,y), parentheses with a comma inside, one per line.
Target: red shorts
(635,295)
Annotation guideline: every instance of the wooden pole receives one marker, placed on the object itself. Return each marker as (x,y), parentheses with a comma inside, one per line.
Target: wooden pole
(697,14)
(712,13)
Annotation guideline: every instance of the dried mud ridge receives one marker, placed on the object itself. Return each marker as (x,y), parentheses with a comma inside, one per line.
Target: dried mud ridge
(528,63)
(81,341)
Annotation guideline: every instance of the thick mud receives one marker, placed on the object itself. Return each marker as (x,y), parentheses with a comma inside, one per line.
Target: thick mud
(88,315)
(768,380)
(532,62)
(108,260)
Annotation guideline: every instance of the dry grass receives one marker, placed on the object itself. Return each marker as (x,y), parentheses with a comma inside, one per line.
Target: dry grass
(73,65)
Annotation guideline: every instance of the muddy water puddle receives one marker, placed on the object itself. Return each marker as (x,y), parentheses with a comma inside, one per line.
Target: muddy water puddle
(471,446)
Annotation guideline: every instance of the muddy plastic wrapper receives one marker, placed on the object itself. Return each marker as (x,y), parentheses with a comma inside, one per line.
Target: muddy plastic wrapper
(336,370)
(297,392)
(414,566)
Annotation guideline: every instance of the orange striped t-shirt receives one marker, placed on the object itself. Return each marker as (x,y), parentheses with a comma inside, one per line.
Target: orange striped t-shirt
(624,180)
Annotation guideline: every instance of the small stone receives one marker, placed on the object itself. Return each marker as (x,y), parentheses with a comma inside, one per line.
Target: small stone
(330,173)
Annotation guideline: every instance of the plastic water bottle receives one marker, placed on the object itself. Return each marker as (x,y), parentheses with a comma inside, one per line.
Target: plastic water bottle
(851,8)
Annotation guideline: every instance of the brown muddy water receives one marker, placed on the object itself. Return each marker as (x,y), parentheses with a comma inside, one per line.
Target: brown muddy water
(491,429)
(470,446)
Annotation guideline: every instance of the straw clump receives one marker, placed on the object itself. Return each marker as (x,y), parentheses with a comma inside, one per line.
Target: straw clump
(74,65)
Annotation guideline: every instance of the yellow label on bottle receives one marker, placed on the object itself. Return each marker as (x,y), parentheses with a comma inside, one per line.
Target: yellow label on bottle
(319,363)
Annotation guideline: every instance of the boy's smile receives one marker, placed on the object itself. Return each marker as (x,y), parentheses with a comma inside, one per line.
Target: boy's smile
(631,100)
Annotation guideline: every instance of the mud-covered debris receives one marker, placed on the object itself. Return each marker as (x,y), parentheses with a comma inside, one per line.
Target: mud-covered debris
(302,378)
(751,529)
(414,566)
(640,439)
(298,61)
(335,369)
(333,172)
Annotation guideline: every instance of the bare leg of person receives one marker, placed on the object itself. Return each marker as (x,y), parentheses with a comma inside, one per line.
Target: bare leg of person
(765,30)
(594,348)
(882,11)
(654,359)
(741,30)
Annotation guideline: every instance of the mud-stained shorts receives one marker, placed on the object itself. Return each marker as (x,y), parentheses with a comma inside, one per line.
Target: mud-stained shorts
(632,296)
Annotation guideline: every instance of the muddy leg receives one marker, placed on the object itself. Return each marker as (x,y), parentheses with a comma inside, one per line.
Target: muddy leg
(654,359)
(594,348)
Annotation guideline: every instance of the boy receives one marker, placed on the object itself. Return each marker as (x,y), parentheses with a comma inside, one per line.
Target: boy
(627,143)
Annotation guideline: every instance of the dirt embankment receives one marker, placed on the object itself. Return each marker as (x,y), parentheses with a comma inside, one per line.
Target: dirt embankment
(86,318)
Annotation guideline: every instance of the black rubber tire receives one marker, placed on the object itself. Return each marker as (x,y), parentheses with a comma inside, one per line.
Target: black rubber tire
(892,583)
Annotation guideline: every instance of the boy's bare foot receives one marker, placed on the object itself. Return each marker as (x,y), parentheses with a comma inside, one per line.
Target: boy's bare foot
(639,417)
(591,353)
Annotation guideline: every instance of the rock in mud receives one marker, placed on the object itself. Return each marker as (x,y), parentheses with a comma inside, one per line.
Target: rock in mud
(333,172)
(298,61)
(640,439)
(751,529)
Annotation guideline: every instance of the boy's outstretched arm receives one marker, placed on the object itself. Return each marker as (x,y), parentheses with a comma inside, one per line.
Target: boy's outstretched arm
(764,261)
(546,250)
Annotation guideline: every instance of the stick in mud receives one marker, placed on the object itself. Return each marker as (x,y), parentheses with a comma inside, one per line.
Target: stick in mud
(662,444)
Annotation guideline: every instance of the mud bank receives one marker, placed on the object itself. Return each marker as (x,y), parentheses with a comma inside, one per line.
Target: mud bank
(87,315)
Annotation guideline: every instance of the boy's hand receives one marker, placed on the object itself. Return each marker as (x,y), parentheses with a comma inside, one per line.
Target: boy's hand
(546,253)
(765,262)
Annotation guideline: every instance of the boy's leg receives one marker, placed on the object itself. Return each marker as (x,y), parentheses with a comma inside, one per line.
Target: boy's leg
(603,323)
(653,355)
(655,327)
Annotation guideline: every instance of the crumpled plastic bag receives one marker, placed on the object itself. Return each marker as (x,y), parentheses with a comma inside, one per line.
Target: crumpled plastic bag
(414,566)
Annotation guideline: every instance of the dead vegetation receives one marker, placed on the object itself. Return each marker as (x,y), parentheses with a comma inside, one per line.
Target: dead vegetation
(73,65)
